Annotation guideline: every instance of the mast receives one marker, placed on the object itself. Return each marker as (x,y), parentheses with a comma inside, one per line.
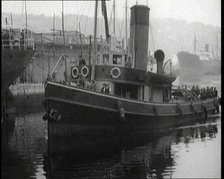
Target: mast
(80,36)
(54,34)
(11,19)
(195,43)
(114,17)
(126,25)
(63,32)
(25,32)
(95,42)
(62,13)
(26,13)
(90,44)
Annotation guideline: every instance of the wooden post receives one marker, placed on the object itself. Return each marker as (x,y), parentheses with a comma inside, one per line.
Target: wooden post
(63,31)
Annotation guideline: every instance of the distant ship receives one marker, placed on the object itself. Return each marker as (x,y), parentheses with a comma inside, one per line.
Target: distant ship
(17,52)
(195,65)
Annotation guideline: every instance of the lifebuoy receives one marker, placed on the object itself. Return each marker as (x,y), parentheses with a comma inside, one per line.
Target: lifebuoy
(85,71)
(115,72)
(54,115)
(75,72)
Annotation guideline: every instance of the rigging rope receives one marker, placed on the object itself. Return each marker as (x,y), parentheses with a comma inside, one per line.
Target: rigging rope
(21,23)
(110,21)
(81,17)
(77,17)
(122,22)
(119,27)
(148,58)
(153,42)
(86,20)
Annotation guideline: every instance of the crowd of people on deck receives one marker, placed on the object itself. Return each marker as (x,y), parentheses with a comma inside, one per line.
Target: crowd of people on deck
(106,88)
(82,83)
(205,93)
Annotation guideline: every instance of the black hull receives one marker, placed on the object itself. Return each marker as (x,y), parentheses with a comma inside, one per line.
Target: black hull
(13,63)
(79,120)
(77,117)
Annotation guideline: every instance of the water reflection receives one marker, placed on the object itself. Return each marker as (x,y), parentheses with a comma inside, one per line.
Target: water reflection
(23,141)
(145,155)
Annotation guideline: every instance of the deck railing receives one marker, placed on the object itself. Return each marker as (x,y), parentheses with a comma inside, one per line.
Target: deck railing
(18,44)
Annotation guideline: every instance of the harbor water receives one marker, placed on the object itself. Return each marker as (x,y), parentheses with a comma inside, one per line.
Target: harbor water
(183,152)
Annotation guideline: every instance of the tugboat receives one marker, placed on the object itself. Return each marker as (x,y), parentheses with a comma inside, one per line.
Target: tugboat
(115,91)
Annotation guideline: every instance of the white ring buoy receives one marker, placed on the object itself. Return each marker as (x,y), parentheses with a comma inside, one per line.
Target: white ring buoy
(115,72)
(85,74)
(75,72)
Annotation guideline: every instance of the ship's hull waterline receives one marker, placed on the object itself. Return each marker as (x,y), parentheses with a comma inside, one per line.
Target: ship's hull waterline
(75,111)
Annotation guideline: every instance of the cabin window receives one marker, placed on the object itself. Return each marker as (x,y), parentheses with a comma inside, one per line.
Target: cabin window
(105,59)
(98,59)
(117,59)
(127,91)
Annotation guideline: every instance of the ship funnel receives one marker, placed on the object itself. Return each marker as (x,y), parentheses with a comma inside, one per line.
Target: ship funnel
(159,56)
(139,28)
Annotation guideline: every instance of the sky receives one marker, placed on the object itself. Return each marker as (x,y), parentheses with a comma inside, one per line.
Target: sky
(206,11)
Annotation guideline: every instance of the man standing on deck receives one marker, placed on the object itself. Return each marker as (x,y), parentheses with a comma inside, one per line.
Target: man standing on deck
(103,89)
(107,89)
